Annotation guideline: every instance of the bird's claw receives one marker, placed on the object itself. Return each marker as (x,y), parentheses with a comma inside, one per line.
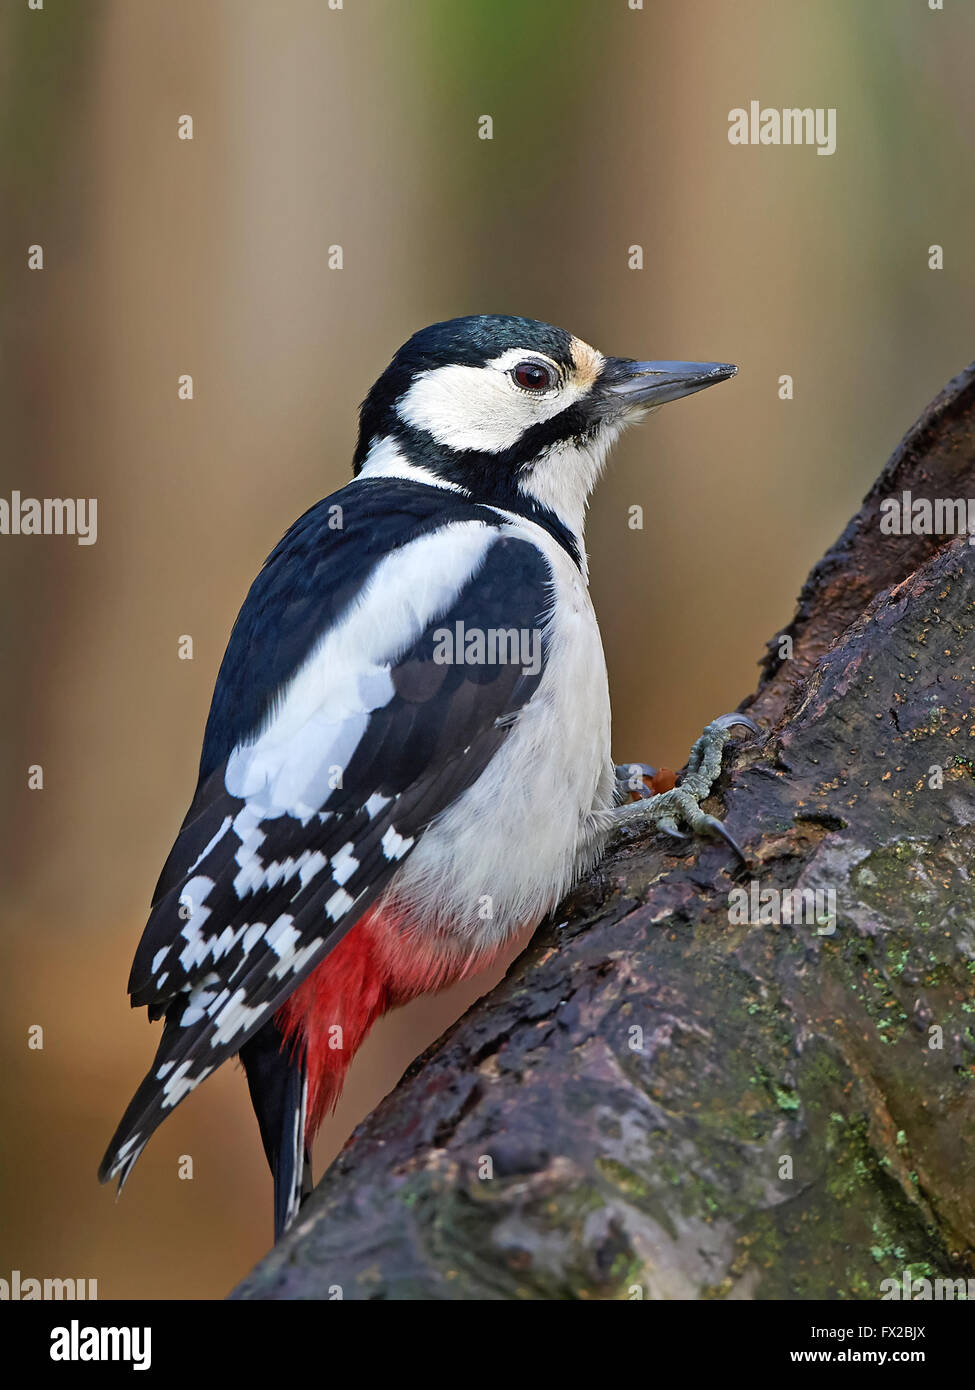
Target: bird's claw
(682,803)
(719,828)
(735,720)
(669,826)
(665,809)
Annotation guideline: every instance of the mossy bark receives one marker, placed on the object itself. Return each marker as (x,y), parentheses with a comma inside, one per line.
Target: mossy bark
(663,1100)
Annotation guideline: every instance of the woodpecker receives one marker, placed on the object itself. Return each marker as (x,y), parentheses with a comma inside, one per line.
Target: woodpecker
(407,757)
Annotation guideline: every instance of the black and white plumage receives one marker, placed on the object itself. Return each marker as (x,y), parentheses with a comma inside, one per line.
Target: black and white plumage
(354,778)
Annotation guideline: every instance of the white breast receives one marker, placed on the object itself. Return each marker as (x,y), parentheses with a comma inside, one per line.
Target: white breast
(508,849)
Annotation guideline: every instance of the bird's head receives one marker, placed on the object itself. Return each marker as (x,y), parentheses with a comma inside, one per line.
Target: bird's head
(512,411)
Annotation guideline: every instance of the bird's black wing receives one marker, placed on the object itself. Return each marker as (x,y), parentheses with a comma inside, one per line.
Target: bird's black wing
(318,775)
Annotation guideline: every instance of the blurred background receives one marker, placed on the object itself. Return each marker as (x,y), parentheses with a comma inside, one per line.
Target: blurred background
(357,127)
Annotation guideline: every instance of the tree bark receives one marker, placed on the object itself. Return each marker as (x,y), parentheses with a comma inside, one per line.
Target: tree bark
(664,1100)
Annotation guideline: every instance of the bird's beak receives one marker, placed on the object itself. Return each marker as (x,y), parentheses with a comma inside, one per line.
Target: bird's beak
(630,384)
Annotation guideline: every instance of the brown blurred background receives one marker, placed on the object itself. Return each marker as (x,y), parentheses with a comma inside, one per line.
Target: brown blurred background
(315,127)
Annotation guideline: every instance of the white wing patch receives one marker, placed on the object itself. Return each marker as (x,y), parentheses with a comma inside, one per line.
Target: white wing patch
(394,845)
(339,904)
(317,724)
(193,900)
(211,844)
(344,863)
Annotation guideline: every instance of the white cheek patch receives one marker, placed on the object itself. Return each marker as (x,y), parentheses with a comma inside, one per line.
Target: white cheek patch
(480,408)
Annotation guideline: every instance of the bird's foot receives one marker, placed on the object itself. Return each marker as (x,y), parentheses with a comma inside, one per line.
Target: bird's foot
(681,805)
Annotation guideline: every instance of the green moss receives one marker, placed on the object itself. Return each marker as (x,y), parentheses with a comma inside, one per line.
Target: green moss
(624,1178)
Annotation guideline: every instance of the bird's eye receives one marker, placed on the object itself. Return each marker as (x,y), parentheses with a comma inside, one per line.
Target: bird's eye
(533,376)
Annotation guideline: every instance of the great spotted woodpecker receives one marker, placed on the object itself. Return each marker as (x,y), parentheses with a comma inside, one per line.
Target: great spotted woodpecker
(407,757)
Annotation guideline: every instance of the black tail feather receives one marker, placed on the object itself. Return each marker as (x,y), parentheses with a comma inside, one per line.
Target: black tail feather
(277,1081)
